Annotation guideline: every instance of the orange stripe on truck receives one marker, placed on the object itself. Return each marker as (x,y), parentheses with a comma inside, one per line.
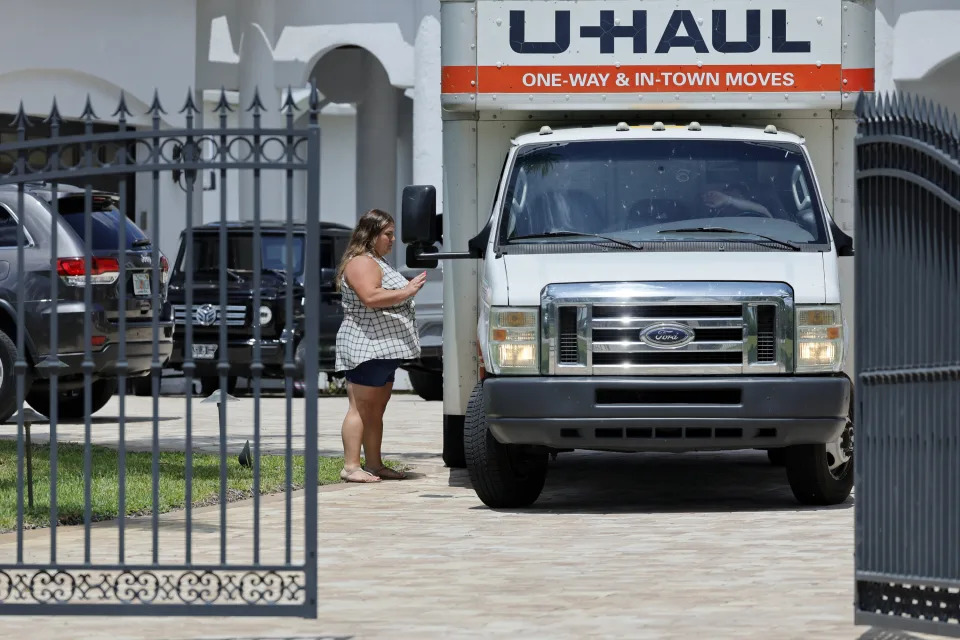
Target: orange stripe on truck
(655,79)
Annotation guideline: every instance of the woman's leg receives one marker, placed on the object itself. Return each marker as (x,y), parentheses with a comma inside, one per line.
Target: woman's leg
(352,434)
(371,413)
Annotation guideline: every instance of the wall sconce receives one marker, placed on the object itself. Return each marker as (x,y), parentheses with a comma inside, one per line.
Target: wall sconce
(190,153)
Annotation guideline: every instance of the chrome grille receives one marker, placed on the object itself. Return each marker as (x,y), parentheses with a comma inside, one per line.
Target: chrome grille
(717,335)
(569,342)
(236,315)
(613,328)
(766,333)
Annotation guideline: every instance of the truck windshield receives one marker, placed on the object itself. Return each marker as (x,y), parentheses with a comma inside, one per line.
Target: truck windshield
(662,190)
(240,252)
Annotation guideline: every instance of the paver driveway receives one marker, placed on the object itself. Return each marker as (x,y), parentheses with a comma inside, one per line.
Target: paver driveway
(639,546)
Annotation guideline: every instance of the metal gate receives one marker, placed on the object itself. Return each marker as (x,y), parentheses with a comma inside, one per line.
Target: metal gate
(84,316)
(908,365)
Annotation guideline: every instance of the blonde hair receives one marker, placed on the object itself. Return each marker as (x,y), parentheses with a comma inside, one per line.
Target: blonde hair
(364,237)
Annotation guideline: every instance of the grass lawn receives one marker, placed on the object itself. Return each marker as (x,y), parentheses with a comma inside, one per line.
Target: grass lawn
(105,483)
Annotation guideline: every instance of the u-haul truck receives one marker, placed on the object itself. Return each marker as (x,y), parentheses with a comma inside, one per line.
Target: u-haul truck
(648,218)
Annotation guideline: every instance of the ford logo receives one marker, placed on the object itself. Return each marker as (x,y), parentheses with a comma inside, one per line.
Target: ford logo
(667,335)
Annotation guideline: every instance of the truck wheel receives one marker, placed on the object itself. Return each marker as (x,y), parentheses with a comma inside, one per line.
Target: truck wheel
(142,386)
(777,457)
(428,385)
(452,454)
(504,476)
(209,384)
(8,379)
(70,403)
(821,474)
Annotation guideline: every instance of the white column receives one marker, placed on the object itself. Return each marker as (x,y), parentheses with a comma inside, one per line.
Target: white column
(256,70)
(377,142)
(427,125)
(404,168)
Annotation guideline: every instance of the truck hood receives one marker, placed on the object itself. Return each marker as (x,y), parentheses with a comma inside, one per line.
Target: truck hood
(527,275)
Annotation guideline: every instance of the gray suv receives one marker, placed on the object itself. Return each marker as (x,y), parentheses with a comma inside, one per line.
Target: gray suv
(132,297)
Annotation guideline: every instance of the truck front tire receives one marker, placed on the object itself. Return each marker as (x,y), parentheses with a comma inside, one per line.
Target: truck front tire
(811,478)
(70,404)
(504,476)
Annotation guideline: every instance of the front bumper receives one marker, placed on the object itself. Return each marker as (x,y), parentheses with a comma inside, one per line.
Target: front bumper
(240,357)
(666,414)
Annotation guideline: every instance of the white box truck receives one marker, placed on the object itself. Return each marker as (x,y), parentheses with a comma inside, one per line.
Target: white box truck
(646,233)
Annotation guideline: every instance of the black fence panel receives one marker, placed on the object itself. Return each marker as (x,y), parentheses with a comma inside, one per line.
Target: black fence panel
(80,317)
(908,365)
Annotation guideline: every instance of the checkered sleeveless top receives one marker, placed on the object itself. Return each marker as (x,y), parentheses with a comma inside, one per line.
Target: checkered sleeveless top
(369,334)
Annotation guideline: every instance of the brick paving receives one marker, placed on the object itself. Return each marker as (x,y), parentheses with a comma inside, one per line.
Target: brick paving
(620,545)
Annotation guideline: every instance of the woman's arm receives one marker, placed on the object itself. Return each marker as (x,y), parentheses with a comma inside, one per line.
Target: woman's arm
(366,278)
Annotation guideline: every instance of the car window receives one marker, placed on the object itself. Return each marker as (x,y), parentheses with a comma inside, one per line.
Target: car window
(8,228)
(107,226)
(240,252)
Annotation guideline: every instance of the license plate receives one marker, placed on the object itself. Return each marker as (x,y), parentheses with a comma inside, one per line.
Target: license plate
(141,284)
(204,351)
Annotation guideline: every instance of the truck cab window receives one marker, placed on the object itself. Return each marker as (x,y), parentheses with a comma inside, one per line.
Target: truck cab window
(635,189)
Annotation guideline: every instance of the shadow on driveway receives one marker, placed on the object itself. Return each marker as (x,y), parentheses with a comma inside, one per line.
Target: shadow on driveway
(593,482)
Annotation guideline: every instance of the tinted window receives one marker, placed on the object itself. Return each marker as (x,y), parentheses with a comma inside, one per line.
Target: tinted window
(8,228)
(636,189)
(240,252)
(107,227)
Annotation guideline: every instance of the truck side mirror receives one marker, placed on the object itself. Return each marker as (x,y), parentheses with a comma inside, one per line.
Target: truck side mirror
(418,214)
(413,262)
(843,241)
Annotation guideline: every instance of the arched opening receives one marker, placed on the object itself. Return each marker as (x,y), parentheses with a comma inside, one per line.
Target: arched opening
(942,85)
(366,137)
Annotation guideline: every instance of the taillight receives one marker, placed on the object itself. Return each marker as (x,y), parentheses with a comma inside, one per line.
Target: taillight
(164,269)
(102,271)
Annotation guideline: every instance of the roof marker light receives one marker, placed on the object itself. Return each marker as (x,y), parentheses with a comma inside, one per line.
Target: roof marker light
(770,129)
(693,126)
(545,130)
(623,126)
(658,126)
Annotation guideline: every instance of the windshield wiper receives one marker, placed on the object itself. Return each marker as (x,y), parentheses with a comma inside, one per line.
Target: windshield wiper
(142,242)
(784,243)
(569,234)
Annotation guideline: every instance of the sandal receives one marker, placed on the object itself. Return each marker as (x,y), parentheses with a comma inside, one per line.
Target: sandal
(365,476)
(386,473)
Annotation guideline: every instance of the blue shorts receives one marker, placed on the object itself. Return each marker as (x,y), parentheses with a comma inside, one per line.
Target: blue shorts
(373,373)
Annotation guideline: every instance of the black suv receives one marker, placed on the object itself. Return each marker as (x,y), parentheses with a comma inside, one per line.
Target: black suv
(109,296)
(205,312)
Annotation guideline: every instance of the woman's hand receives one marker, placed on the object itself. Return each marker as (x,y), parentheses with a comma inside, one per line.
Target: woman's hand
(413,287)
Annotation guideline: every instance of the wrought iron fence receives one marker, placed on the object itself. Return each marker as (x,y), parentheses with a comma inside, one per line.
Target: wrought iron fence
(78,317)
(908,365)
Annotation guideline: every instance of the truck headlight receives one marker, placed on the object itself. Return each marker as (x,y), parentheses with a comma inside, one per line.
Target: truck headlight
(819,338)
(514,339)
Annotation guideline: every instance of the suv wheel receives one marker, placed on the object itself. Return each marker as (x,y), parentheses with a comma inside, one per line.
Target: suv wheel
(70,403)
(210,384)
(821,474)
(8,379)
(427,385)
(504,476)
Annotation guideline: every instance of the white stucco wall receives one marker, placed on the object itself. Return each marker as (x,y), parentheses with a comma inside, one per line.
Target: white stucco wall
(98,46)
(917,49)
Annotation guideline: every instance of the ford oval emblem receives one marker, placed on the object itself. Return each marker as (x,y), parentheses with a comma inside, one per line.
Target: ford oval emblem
(667,335)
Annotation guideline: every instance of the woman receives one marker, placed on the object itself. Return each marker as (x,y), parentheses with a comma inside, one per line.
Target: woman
(377,333)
